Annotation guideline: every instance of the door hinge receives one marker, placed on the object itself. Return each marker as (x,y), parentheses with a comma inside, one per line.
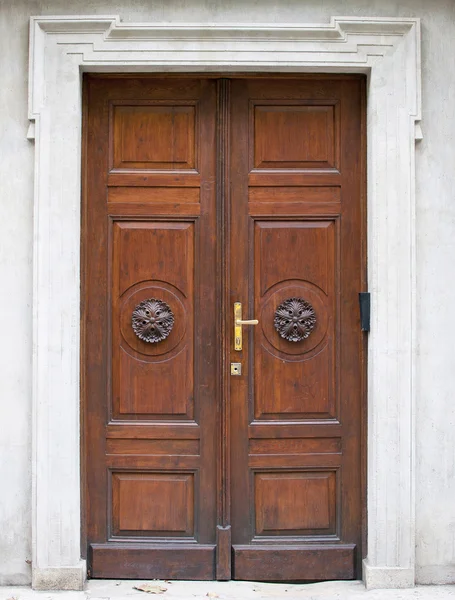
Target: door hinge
(365,310)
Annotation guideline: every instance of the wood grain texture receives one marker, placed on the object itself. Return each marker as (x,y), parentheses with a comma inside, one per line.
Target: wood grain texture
(296,135)
(152,260)
(295,446)
(307,503)
(153,447)
(159,136)
(223,179)
(148,561)
(311,562)
(297,191)
(153,503)
(282,194)
(150,408)
(223,553)
(160,195)
(204,191)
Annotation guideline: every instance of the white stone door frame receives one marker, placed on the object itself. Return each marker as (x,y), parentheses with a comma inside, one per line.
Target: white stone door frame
(388,50)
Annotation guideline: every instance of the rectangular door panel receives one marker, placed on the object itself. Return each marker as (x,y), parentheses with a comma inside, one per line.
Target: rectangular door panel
(153,273)
(156,195)
(294,135)
(297,503)
(154,136)
(294,273)
(141,561)
(150,395)
(294,195)
(151,504)
(297,267)
(281,563)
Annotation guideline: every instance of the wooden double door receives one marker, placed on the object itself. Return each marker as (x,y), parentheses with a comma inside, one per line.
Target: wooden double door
(214,449)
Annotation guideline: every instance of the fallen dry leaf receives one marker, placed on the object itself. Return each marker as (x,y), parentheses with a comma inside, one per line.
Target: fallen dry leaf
(212,595)
(151,588)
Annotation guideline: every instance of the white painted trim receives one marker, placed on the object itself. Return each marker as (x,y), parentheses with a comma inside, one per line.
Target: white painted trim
(388,50)
(385,577)
(60,578)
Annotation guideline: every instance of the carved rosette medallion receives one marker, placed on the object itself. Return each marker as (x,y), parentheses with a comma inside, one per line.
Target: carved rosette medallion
(152,320)
(294,319)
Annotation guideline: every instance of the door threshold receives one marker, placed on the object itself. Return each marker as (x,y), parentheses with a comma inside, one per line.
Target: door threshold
(239,590)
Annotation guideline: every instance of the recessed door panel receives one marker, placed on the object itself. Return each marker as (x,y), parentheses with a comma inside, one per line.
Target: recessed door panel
(299,503)
(153,137)
(153,269)
(296,135)
(151,504)
(294,273)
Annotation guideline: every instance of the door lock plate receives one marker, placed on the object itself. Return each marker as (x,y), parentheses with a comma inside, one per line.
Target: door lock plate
(237,329)
(236,368)
(238,322)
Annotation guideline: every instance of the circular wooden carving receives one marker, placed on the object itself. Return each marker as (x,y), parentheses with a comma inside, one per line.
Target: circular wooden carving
(152,320)
(294,319)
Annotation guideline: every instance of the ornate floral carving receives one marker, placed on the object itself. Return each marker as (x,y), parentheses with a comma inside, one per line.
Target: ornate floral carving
(152,320)
(294,319)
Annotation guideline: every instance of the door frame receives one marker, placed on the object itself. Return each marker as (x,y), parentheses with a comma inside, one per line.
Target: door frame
(388,51)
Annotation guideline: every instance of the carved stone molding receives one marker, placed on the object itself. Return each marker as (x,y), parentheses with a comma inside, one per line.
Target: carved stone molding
(152,320)
(294,319)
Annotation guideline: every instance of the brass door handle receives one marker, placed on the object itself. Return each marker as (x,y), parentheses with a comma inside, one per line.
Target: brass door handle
(250,322)
(238,322)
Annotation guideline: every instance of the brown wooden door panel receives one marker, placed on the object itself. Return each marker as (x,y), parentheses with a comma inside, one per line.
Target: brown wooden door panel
(154,137)
(281,563)
(284,121)
(305,370)
(153,503)
(199,193)
(153,380)
(151,402)
(296,252)
(133,561)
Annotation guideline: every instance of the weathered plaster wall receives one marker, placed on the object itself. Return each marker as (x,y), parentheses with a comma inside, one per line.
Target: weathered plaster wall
(435,378)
